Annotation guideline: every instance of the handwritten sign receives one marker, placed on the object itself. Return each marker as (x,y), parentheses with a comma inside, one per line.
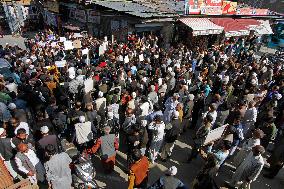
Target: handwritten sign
(60,64)
(68,45)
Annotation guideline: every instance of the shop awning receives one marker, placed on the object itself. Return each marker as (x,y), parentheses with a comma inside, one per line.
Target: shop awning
(236,27)
(202,26)
(263,29)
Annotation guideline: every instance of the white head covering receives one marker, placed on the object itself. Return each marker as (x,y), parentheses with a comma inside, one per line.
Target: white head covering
(133,94)
(191,97)
(12,106)
(172,170)
(44,129)
(110,115)
(101,94)
(144,123)
(176,114)
(82,119)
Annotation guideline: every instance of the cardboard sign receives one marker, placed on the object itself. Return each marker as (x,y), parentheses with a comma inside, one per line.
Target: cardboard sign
(53,44)
(62,39)
(215,134)
(60,64)
(101,50)
(85,51)
(89,85)
(77,44)
(68,45)
(126,59)
(141,57)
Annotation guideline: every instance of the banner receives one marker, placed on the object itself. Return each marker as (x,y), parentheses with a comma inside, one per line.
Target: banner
(252,12)
(229,7)
(193,6)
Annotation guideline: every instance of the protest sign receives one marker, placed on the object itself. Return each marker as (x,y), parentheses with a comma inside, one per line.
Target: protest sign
(68,45)
(141,57)
(77,44)
(101,50)
(62,39)
(60,64)
(89,85)
(215,134)
(53,44)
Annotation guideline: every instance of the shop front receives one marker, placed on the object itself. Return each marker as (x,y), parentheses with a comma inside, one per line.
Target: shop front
(197,32)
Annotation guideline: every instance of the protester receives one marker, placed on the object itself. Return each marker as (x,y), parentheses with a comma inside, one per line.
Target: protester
(139,171)
(108,145)
(58,173)
(249,169)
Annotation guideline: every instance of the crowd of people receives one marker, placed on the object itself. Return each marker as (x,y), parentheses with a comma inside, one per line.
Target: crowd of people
(144,97)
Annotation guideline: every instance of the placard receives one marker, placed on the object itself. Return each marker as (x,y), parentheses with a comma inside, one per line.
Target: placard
(53,44)
(89,85)
(60,64)
(215,134)
(77,44)
(68,45)
(141,57)
(126,59)
(101,50)
(85,51)
(62,39)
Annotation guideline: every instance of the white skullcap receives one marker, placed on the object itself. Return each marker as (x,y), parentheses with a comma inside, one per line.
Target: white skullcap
(2,131)
(176,114)
(44,129)
(278,96)
(253,82)
(191,97)
(110,115)
(12,106)
(144,123)
(101,94)
(82,119)
(133,94)
(28,60)
(72,76)
(172,170)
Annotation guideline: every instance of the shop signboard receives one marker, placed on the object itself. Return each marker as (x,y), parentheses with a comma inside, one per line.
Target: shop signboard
(252,12)
(94,17)
(80,15)
(212,7)
(229,7)
(193,6)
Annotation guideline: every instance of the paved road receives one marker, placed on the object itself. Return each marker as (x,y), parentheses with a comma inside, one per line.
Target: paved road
(12,41)
(186,172)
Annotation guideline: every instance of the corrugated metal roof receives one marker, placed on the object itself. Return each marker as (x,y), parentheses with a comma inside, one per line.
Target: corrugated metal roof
(135,9)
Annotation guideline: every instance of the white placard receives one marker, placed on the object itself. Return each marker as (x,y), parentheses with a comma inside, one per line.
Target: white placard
(60,64)
(101,50)
(77,35)
(141,57)
(62,39)
(126,59)
(53,44)
(68,45)
(85,51)
(215,134)
(89,85)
